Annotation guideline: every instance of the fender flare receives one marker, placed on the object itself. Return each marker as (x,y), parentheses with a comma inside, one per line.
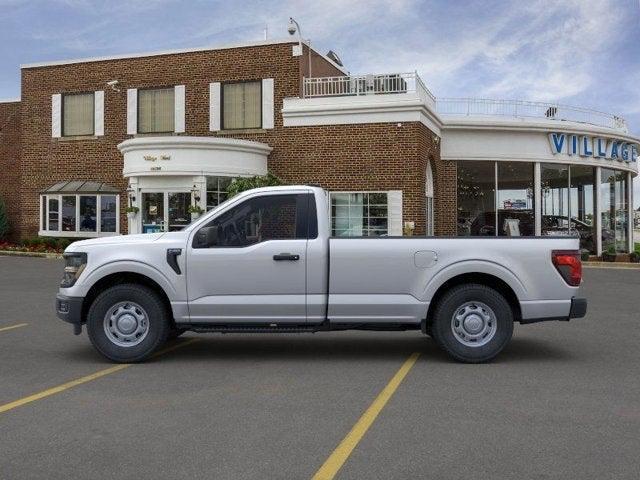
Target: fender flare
(130,266)
(470,266)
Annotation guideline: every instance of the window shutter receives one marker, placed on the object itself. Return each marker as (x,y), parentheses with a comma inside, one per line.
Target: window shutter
(98,112)
(215,112)
(132,111)
(56,115)
(179,99)
(394,209)
(267,103)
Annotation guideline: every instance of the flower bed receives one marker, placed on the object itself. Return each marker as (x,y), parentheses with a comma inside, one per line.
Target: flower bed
(37,245)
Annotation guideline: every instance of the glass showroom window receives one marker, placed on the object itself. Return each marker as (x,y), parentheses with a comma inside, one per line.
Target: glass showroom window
(79,215)
(78,114)
(613,207)
(156,110)
(582,206)
(217,191)
(555,199)
(515,199)
(241,105)
(476,198)
(359,214)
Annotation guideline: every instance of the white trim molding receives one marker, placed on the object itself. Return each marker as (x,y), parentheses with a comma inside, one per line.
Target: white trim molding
(268,107)
(215,110)
(178,51)
(394,212)
(98,113)
(390,108)
(184,155)
(56,115)
(132,111)
(179,109)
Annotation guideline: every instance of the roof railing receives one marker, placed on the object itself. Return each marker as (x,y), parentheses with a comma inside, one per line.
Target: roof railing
(527,109)
(401,83)
(372,84)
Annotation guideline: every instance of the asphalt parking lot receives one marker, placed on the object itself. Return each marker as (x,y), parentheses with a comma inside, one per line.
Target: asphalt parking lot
(563,401)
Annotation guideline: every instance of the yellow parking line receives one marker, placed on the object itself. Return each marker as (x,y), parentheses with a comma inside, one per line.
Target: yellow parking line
(74,383)
(332,465)
(4,329)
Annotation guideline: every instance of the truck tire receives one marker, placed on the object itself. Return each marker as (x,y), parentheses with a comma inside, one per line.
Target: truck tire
(472,323)
(126,323)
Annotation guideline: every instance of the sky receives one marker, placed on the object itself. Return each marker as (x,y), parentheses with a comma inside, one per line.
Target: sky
(577,52)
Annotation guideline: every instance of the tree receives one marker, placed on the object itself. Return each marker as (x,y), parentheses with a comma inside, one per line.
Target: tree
(240,184)
(4,221)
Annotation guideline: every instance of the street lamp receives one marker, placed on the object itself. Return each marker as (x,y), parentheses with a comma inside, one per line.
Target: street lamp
(292,29)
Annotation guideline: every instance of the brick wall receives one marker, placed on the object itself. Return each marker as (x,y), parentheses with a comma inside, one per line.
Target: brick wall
(340,157)
(444,183)
(9,160)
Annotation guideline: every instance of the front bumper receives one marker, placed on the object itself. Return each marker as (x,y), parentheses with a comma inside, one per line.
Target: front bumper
(69,309)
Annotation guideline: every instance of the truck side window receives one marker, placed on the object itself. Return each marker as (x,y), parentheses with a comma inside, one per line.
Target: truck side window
(269,217)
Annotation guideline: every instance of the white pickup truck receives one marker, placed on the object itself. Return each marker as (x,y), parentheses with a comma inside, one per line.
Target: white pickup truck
(265,261)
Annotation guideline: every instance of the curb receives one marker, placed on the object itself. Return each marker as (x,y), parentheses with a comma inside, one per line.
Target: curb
(11,253)
(614,265)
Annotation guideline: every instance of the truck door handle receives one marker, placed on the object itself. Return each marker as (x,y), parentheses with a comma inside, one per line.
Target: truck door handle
(286,256)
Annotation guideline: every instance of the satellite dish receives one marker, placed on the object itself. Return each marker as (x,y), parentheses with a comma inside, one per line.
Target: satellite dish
(334,57)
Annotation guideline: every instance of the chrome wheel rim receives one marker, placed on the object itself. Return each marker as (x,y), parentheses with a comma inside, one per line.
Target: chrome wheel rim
(474,324)
(126,324)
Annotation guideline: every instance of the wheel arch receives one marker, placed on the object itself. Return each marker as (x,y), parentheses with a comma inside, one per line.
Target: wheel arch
(481,278)
(120,278)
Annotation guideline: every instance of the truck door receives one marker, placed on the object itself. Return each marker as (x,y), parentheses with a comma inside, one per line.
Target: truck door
(248,265)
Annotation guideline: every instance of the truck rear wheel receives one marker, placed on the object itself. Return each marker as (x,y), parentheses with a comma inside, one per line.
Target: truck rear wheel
(472,323)
(127,322)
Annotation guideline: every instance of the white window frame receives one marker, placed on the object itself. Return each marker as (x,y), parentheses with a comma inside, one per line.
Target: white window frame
(341,192)
(46,232)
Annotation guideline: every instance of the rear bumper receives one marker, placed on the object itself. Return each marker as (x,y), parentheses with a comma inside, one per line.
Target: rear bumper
(577,309)
(69,309)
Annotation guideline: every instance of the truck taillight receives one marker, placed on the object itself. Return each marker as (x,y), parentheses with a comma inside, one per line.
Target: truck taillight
(568,264)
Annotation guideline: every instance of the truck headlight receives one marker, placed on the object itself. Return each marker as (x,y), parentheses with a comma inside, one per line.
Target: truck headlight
(74,265)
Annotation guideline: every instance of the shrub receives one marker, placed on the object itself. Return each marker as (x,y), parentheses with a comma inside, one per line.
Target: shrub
(241,184)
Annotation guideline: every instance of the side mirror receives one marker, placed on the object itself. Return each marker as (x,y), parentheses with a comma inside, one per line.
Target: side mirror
(206,237)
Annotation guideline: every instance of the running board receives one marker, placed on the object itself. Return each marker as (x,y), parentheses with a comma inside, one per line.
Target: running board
(256,328)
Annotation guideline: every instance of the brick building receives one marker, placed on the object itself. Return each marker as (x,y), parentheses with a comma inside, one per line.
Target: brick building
(168,130)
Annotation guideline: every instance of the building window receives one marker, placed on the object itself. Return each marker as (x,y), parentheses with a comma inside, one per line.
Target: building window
(78,114)
(582,206)
(75,215)
(217,191)
(156,110)
(356,214)
(495,198)
(567,193)
(555,199)
(515,199)
(613,207)
(241,105)
(429,201)
(476,198)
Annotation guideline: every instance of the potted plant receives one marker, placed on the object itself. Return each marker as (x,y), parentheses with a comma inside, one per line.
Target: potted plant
(132,212)
(195,211)
(584,255)
(610,255)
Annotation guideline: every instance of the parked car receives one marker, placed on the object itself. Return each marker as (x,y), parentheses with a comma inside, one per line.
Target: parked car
(264,261)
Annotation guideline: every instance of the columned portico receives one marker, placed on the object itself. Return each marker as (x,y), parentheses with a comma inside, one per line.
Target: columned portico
(168,174)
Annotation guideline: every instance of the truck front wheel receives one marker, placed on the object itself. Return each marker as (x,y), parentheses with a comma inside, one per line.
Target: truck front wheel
(472,323)
(127,322)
